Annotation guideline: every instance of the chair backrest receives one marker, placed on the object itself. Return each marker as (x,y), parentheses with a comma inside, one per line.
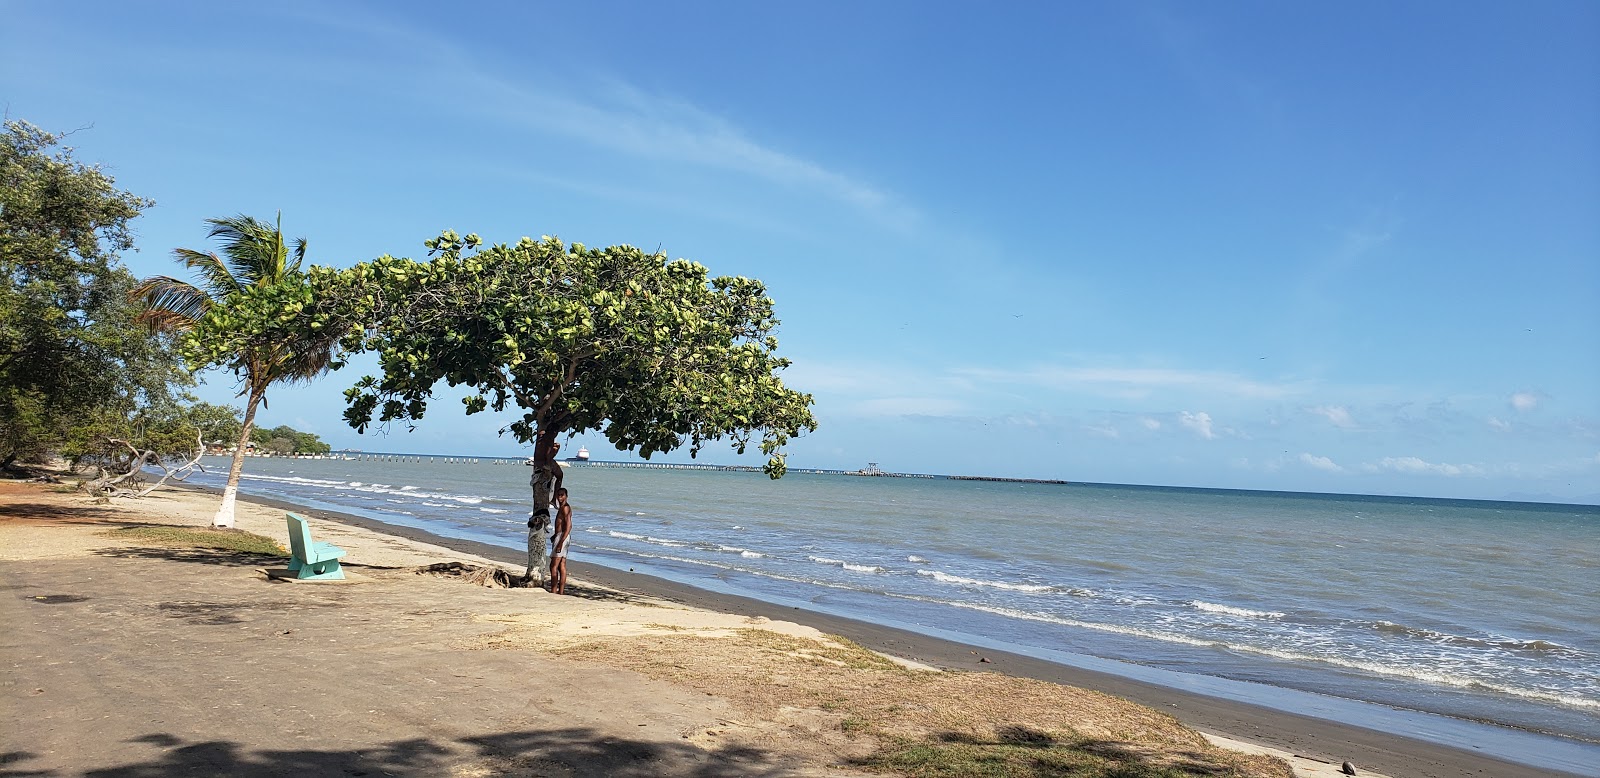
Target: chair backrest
(299,537)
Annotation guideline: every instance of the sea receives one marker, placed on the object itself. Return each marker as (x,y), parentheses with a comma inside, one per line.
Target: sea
(1473,610)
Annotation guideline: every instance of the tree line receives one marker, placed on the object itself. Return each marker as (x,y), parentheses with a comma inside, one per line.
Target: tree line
(654,353)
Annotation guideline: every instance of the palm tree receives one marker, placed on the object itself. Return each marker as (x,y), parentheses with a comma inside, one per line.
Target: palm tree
(256,255)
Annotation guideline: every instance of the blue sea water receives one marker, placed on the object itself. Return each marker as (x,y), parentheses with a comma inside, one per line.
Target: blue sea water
(1477,610)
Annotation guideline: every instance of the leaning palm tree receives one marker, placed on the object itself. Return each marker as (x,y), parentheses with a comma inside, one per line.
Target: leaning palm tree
(255,255)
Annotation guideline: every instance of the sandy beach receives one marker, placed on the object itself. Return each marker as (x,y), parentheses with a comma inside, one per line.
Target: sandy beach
(132,656)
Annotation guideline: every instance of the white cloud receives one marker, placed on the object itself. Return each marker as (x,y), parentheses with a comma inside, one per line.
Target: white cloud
(1337,415)
(1499,424)
(1199,422)
(1418,465)
(1524,401)
(1321,463)
(1150,424)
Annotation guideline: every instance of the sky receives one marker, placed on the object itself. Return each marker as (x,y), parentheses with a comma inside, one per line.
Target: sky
(1348,248)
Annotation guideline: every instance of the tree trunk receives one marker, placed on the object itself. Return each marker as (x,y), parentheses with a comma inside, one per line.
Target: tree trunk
(230,493)
(542,482)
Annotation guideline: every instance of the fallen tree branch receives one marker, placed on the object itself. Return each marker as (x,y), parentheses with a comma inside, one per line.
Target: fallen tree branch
(106,484)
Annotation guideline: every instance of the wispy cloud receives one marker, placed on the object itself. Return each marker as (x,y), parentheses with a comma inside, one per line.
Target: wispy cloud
(1499,424)
(1524,401)
(1135,382)
(595,109)
(1337,415)
(907,406)
(1417,465)
(1320,463)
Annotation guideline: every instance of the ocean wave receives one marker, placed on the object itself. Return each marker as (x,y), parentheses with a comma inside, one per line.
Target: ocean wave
(822,560)
(1428,673)
(916,560)
(740,569)
(646,539)
(963,581)
(863,568)
(1435,636)
(374,488)
(1211,607)
(1415,672)
(492,510)
(752,555)
(1120,629)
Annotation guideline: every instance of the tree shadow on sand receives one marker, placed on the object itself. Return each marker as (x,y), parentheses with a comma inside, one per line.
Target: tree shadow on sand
(576,752)
(201,556)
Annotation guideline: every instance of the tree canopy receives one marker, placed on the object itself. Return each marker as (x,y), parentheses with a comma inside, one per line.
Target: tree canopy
(651,352)
(73,367)
(293,441)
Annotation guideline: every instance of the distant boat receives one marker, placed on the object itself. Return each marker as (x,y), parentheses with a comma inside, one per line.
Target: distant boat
(581,456)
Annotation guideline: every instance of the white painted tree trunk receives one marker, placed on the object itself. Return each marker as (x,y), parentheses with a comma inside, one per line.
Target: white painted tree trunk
(230,493)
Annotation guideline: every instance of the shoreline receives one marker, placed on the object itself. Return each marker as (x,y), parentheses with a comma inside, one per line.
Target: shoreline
(1319,738)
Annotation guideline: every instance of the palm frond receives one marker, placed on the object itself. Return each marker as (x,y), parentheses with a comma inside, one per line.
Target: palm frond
(170,305)
(213,272)
(254,249)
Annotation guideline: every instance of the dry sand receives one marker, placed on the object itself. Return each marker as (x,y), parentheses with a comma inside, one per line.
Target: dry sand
(150,660)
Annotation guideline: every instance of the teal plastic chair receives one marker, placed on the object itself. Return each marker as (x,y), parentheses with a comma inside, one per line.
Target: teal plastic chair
(309,559)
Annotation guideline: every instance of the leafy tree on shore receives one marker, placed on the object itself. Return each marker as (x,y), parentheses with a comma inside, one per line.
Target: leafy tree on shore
(652,353)
(73,367)
(260,277)
(299,442)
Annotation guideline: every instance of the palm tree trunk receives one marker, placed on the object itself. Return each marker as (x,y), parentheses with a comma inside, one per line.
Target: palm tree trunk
(230,493)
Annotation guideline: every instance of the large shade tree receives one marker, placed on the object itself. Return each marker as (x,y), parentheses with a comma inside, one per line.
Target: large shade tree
(654,354)
(257,277)
(73,367)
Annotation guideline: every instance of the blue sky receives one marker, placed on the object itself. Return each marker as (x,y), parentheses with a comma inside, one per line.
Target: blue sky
(1345,248)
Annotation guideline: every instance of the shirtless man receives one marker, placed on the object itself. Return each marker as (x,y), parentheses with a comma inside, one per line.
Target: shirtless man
(562,534)
(547,477)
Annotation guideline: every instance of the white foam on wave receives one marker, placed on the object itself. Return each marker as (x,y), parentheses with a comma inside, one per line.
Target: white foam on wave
(493,510)
(1211,607)
(374,488)
(645,539)
(916,560)
(862,568)
(1429,674)
(752,555)
(963,581)
(822,560)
